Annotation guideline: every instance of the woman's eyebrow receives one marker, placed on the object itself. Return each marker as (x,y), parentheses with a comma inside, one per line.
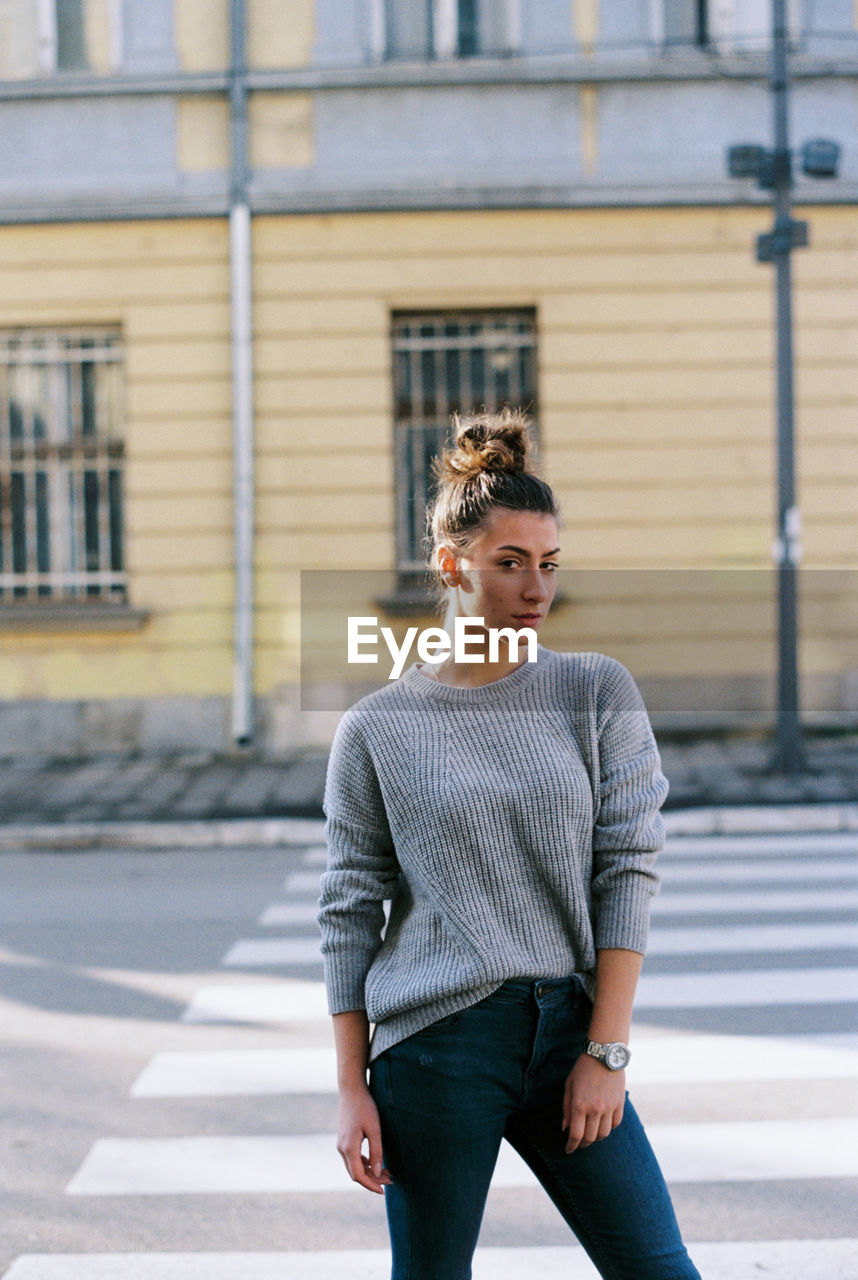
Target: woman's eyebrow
(521,551)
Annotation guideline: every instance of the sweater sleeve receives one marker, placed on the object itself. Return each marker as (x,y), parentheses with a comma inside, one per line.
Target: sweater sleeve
(361,871)
(628,832)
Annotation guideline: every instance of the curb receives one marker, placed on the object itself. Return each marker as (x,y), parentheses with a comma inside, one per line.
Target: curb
(227,833)
(238,833)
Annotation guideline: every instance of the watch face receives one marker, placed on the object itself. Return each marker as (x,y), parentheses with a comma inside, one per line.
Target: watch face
(617,1057)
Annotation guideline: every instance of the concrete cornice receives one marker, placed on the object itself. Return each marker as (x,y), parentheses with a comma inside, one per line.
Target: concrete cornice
(518,72)
(105,207)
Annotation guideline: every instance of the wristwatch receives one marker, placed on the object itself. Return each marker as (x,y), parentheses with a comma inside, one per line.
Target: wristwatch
(615,1056)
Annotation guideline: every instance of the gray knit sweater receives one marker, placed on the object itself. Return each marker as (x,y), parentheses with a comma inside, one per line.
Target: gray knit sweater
(514,826)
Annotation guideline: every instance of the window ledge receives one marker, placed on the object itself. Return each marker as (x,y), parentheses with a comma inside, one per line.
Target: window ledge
(73,616)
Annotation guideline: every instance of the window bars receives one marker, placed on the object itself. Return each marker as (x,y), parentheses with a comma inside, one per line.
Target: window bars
(445,363)
(424,29)
(61,456)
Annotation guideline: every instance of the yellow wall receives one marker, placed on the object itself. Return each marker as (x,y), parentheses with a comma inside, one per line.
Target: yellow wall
(656,390)
(167,286)
(278,34)
(656,415)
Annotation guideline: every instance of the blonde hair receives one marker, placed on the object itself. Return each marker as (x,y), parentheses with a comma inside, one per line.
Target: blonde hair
(489,465)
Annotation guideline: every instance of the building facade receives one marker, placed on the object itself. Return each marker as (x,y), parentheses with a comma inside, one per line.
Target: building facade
(254,254)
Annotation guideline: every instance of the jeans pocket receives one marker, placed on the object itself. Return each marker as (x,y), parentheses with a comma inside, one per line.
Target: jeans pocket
(440,1024)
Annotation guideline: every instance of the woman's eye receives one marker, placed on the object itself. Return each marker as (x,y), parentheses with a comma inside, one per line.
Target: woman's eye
(514,564)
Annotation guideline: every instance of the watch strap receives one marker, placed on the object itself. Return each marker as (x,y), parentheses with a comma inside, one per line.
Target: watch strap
(607,1053)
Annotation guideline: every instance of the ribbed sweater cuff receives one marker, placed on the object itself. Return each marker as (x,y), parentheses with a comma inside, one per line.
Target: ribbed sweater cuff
(624,923)
(345,980)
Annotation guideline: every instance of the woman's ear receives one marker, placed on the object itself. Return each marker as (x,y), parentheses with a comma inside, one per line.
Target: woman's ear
(447,566)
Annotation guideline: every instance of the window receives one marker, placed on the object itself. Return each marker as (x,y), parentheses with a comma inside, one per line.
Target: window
(423,29)
(39,37)
(70,36)
(684,22)
(61,455)
(446,362)
(727,26)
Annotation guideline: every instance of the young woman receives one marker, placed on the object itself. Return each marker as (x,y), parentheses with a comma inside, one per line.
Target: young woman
(509,809)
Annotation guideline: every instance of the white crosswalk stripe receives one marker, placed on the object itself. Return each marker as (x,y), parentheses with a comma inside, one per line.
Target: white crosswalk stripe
(303,882)
(797,844)
(731,1260)
(671,902)
(270,953)
(750,1150)
(303,914)
(750,987)
(704,939)
(711,890)
(285,914)
(658,1060)
(264,953)
(275,1002)
(762,872)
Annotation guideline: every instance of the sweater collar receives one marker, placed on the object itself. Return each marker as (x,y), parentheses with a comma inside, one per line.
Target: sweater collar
(494,691)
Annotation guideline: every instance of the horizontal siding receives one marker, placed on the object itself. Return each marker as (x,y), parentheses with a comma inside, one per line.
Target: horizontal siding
(156,439)
(166,285)
(183,512)
(708,426)
(72,667)
(655,406)
(319,472)
(209,589)
(151,478)
(180,549)
(161,398)
(305,511)
(108,282)
(696,346)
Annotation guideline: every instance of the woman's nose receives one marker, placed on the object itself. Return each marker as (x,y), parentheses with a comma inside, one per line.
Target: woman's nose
(535,586)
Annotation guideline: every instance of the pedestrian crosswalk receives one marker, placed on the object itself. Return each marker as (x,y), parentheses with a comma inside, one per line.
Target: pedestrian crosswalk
(767,1150)
(742,925)
(809,1259)
(661,1060)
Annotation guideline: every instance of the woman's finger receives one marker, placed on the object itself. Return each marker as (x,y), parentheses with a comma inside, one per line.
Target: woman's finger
(606,1125)
(358,1167)
(375,1161)
(592,1130)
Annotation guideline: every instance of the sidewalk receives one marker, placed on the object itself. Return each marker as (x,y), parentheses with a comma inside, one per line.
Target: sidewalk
(114,800)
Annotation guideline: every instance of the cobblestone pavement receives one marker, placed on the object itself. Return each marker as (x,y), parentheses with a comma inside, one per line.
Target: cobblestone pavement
(723,770)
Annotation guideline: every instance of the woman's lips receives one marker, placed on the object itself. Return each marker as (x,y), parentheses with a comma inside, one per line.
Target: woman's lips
(527,617)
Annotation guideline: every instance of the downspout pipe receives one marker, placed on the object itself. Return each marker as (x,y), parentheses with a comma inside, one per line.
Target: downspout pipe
(241,320)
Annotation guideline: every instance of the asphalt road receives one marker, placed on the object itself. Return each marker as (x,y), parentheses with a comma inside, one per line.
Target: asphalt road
(167,1076)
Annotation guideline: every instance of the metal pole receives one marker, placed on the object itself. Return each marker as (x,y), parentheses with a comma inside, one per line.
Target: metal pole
(242,386)
(787,547)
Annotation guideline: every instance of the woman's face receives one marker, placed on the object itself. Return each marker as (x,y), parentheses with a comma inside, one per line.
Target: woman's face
(507,576)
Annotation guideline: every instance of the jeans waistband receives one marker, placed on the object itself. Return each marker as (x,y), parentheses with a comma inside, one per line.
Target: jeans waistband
(528,986)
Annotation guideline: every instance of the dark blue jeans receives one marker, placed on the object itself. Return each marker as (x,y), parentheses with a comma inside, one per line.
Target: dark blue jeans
(450,1093)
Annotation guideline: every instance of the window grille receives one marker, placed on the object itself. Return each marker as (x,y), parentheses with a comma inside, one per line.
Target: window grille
(39,37)
(424,29)
(725,26)
(61,458)
(445,363)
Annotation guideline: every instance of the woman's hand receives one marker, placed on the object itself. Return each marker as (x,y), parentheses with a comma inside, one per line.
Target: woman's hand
(593,1102)
(359,1123)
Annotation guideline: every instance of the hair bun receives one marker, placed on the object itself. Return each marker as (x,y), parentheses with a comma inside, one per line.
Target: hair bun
(487,443)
